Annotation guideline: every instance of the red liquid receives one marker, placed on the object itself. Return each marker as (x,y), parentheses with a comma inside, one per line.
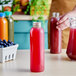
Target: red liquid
(55,37)
(37,50)
(71,49)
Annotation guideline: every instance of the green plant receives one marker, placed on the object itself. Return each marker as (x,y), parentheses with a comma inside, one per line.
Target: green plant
(16,8)
(4,2)
(0,2)
(16,21)
(2,9)
(38,6)
(13,2)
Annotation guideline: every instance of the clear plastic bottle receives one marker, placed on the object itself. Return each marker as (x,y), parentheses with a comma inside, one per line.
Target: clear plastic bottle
(71,49)
(37,48)
(10,25)
(55,35)
(3,27)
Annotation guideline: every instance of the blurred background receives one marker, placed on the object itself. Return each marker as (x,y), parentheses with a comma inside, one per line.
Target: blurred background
(25,12)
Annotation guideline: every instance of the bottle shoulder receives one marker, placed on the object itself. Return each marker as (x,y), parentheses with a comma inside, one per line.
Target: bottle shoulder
(3,19)
(10,19)
(36,29)
(54,19)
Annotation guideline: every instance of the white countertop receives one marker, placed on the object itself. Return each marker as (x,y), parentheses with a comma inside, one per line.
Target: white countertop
(55,65)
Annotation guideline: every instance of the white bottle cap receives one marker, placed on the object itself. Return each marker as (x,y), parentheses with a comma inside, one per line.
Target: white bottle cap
(72,22)
(54,14)
(57,14)
(37,24)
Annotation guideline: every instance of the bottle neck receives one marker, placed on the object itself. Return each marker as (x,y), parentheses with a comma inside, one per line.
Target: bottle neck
(36,24)
(56,15)
(8,16)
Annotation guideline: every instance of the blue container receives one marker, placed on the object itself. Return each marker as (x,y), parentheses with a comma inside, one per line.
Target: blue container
(22,33)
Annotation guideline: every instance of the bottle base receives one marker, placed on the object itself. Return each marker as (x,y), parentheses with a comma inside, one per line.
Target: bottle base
(73,58)
(36,71)
(54,52)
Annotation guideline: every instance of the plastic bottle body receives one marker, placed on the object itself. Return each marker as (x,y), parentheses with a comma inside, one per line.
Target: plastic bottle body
(55,37)
(71,49)
(37,50)
(3,28)
(10,28)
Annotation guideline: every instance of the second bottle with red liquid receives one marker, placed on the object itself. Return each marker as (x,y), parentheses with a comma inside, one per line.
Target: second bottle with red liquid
(37,48)
(71,49)
(55,35)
